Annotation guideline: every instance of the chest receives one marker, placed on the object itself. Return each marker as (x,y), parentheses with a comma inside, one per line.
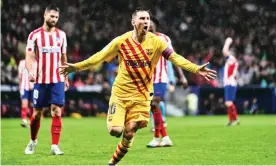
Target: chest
(131,50)
(49,43)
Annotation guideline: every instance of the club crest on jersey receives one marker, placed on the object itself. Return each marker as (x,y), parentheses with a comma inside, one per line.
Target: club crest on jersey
(149,51)
(58,40)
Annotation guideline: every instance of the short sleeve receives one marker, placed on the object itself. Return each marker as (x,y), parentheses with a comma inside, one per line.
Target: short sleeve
(64,44)
(31,43)
(170,43)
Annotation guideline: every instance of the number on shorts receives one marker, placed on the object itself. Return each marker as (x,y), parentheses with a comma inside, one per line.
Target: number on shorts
(35,94)
(112,109)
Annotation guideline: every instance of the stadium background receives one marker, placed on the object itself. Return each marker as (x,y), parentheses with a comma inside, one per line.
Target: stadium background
(198,29)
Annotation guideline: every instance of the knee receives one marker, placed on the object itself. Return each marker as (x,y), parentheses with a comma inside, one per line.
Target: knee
(55,110)
(129,134)
(24,103)
(155,103)
(228,103)
(115,131)
(37,114)
(130,130)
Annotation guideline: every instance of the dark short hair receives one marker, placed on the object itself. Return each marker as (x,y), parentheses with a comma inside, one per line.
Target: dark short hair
(154,20)
(139,9)
(52,7)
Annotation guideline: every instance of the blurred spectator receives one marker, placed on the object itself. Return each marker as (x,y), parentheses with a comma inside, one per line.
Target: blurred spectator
(78,81)
(245,107)
(197,29)
(202,25)
(254,107)
(191,103)
(219,106)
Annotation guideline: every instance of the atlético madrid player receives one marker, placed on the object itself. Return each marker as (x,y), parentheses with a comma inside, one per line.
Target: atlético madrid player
(48,45)
(26,91)
(230,82)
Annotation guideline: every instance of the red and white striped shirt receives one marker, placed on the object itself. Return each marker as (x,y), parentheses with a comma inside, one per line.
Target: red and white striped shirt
(48,49)
(161,69)
(230,71)
(23,73)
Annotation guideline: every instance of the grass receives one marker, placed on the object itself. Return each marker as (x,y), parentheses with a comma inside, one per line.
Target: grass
(198,140)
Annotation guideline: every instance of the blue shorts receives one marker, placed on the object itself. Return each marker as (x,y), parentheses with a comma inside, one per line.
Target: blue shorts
(160,89)
(27,94)
(230,93)
(46,94)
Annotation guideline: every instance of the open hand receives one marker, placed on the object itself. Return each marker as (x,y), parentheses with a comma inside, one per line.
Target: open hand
(207,73)
(67,68)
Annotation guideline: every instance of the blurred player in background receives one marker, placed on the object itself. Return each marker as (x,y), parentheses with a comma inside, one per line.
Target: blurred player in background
(230,82)
(26,91)
(139,52)
(48,45)
(163,74)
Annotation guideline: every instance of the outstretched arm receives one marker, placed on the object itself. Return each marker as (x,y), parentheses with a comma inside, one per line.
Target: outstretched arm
(106,54)
(185,64)
(178,60)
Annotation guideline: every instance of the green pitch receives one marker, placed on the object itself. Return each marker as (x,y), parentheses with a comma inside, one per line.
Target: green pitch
(197,140)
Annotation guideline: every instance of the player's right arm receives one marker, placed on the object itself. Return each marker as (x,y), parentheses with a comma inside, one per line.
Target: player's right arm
(30,57)
(225,50)
(106,54)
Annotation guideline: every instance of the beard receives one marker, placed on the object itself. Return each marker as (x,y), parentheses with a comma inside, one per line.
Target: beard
(140,30)
(50,24)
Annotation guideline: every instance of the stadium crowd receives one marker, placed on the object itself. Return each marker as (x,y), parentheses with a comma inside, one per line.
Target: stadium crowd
(197,29)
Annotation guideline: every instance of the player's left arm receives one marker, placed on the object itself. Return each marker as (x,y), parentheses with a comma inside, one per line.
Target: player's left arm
(185,64)
(64,59)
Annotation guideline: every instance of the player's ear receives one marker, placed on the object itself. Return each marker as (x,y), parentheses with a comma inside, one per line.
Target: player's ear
(132,22)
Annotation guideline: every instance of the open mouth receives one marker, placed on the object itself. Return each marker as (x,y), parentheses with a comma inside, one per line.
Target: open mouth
(145,28)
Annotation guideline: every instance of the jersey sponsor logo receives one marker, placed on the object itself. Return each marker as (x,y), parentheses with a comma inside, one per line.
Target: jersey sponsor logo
(138,64)
(50,49)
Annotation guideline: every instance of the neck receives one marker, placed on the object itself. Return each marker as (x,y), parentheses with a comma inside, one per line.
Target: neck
(138,37)
(47,28)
